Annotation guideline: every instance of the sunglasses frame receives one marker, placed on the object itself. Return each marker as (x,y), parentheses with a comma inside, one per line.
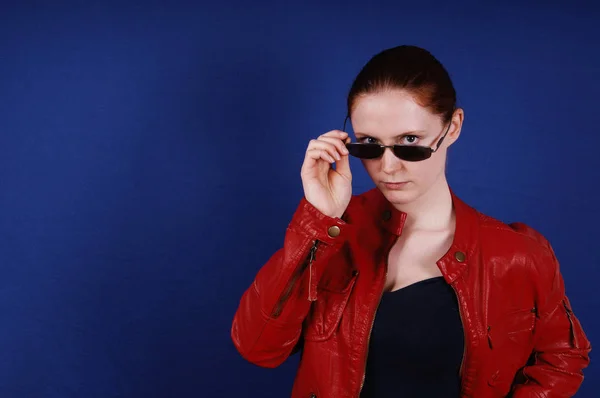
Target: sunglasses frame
(426,150)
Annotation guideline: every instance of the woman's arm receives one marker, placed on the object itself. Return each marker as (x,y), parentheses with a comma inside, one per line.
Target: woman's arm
(561,350)
(268,322)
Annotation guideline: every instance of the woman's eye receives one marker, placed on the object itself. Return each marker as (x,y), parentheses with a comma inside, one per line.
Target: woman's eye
(367,140)
(410,139)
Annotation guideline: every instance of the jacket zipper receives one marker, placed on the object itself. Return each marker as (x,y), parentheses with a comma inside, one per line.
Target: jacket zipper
(297,274)
(574,341)
(362,383)
(462,362)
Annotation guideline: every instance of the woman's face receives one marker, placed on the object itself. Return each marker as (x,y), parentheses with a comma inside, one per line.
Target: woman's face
(393,117)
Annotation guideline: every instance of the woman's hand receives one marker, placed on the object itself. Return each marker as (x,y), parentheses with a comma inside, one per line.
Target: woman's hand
(328,189)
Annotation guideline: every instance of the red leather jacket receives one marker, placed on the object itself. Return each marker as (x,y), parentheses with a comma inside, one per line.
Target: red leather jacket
(319,294)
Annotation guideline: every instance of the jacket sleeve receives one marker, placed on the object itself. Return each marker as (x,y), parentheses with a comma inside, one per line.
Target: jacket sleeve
(267,324)
(561,350)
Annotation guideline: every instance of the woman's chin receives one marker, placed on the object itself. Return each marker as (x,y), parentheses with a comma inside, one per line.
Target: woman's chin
(399,196)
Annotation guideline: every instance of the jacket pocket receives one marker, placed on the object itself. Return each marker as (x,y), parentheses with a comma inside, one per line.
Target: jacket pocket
(510,337)
(513,327)
(334,291)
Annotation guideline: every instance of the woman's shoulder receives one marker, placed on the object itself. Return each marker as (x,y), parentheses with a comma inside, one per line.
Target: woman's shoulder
(519,243)
(519,233)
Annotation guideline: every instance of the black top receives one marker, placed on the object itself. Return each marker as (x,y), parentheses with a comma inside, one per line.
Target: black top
(416,344)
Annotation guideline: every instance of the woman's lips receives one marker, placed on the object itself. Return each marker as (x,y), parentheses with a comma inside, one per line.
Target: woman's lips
(395,185)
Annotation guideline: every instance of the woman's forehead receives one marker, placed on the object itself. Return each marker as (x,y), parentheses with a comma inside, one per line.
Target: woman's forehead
(391,112)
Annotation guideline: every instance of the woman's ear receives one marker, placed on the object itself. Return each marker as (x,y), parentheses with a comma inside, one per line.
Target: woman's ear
(455,125)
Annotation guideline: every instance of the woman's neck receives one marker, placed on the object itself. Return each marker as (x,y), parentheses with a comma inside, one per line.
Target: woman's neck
(432,211)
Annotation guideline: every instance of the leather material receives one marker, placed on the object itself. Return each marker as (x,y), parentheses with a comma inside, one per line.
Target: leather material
(318,295)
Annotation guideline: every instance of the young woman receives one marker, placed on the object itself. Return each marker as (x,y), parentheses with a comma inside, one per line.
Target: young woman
(405,290)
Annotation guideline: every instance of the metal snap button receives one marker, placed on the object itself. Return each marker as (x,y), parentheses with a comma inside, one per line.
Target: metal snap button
(334,231)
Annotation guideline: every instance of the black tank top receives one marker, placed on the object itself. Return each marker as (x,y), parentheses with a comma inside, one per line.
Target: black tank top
(416,344)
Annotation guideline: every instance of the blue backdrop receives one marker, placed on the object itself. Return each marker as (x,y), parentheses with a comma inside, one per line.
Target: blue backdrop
(150,162)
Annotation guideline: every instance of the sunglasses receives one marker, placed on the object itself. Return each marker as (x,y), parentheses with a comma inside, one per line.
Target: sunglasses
(410,153)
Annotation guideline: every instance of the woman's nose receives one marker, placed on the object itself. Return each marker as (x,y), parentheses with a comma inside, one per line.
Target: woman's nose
(389,162)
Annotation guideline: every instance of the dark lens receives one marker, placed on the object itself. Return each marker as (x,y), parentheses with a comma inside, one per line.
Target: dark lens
(412,153)
(365,151)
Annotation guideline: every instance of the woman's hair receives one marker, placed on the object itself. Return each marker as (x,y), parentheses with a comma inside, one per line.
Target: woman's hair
(408,68)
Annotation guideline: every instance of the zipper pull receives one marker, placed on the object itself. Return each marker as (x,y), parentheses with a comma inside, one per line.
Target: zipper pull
(574,340)
(489,337)
(312,280)
(313,252)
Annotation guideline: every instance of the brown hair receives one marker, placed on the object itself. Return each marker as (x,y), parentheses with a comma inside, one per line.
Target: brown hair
(409,68)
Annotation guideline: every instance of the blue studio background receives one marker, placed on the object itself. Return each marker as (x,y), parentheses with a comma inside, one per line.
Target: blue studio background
(150,161)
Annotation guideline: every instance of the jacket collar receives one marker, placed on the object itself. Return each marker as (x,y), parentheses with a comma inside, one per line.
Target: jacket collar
(464,244)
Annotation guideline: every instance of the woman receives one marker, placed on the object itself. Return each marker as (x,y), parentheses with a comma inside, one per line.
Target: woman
(405,290)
